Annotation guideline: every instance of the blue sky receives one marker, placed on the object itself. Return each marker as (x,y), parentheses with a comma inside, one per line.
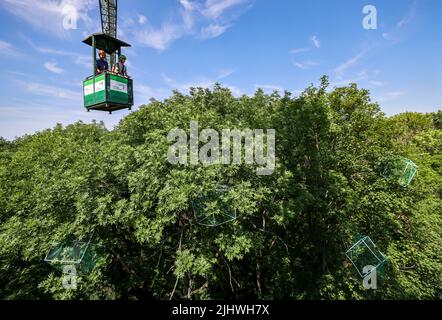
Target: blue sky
(243,44)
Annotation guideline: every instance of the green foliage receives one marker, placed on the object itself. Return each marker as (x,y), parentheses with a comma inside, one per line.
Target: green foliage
(292,227)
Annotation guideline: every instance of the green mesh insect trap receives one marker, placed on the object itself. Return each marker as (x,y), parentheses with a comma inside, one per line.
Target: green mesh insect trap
(83,255)
(215,208)
(400,169)
(364,253)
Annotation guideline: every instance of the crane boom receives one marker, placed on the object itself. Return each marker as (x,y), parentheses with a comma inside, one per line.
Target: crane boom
(108,11)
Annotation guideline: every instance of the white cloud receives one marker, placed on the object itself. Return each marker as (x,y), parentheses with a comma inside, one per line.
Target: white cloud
(224,73)
(300,50)
(188,5)
(50,91)
(5,45)
(48,15)
(341,69)
(84,61)
(198,83)
(159,39)
(213,9)
(26,116)
(403,22)
(409,16)
(18,73)
(78,59)
(204,20)
(269,87)
(170,31)
(142,19)
(360,76)
(203,82)
(237,92)
(52,66)
(398,33)
(376,83)
(346,82)
(306,64)
(213,31)
(166,79)
(8,49)
(391,96)
(144,93)
(386,36)
(315,41)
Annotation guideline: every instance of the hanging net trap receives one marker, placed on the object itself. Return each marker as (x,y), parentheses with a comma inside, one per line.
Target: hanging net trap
(400,169)
(215,208)
(363,254)
(72,252)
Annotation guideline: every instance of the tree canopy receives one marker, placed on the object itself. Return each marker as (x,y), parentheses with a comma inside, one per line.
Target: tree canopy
(292,228)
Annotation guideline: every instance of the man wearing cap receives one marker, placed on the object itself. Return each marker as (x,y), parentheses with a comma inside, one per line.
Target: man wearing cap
(120,68)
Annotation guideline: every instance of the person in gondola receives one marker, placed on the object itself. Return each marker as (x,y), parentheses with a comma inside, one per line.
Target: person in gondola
(102,64)
(120,68)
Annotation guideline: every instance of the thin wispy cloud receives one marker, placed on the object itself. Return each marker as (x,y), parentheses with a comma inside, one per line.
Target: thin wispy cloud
(398,33)
(201,19)
(213,31)
(19,74)
(376,83)
(315,41)
(269,87)
(52,67)
(299,50)
(391,96)
(170,31)
(202,82)
(78,59)
(236,91)
(48,15)
(19,117)
(340,70)
(224,73)
(159,39)
(409,16)
(9,49)
(145,93)
(306,64)
(49,91)
(345,82)
(166,79)
(213,9)
(142,19)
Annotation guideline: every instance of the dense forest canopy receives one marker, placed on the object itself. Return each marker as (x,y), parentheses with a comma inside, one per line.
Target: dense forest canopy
(292,228)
